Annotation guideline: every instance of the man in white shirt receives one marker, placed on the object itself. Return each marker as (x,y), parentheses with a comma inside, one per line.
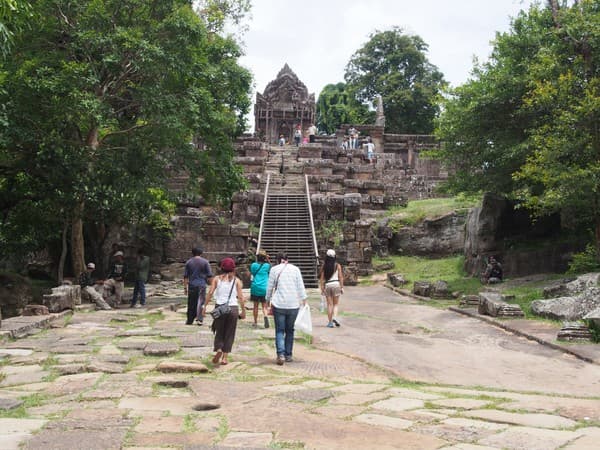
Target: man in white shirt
(312,131)
(285,292)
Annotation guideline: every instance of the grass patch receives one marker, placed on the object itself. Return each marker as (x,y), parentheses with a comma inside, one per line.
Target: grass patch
(418,210)
(449,269)
(189,423)
(287,444)
(525,294)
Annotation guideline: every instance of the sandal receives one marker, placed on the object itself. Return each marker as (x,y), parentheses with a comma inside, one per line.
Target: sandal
(224,363)
(217,357)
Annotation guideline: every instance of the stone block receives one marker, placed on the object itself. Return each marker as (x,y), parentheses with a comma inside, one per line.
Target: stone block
(355,252)
(310,151)
(396,279)
(35,310)
(422,288)
(492,304)
(387,265)
(63,297)
(440,290)
(240,229)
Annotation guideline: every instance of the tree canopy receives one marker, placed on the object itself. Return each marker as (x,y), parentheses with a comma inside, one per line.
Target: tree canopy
(527,124)
(337,105)
(394,65)
(101,103)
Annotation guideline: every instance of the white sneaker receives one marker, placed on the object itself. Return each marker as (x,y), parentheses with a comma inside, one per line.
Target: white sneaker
(137,305)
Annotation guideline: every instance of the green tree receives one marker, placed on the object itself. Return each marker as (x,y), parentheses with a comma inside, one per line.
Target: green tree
(13,17)
(102,100)
(394,65)
(337,105)
(527,124)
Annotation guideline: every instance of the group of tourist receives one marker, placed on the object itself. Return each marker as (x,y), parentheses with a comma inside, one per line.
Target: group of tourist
(308,137)
(276,289)
(107,294)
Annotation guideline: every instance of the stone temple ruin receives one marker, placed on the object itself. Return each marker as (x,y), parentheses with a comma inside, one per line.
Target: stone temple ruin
(343,192)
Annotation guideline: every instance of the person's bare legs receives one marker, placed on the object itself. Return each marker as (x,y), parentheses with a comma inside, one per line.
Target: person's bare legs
(336,301)
(329,309)
(255,312)
(224,359)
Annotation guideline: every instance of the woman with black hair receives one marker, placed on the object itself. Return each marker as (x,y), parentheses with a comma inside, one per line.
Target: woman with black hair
(226,290)
(331,281)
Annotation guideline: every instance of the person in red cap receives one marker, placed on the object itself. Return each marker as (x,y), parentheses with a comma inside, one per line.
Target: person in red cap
(226,289)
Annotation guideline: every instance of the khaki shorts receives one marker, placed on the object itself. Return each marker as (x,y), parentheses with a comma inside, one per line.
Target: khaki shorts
(333,289)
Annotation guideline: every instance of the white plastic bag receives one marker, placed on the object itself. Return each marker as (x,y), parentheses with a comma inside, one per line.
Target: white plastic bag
(303,320)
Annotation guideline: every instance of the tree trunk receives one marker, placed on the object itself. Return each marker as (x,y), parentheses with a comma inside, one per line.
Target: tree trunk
(63,253)
(77,242)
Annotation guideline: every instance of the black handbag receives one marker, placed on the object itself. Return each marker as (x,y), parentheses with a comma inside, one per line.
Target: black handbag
(224,309)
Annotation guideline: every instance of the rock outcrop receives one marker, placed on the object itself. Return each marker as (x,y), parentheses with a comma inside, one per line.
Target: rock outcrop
(582,296)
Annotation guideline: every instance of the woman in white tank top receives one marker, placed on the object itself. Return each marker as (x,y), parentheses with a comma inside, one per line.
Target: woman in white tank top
(331,281)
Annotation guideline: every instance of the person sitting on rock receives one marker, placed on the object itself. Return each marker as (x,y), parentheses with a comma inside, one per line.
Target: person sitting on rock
(493,272)
(116,279)
(88,287)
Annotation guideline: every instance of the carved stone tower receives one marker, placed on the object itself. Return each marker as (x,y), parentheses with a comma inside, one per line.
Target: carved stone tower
(284,104)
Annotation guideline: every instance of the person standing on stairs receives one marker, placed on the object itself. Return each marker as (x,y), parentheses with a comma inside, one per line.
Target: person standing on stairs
(297,135)
(259,272)
(331,281)
(312,132)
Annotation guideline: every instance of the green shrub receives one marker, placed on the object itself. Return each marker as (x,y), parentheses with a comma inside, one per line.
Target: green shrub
(586,261)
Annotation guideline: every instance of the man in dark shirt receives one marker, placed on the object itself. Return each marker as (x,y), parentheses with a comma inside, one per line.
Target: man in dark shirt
(197,272)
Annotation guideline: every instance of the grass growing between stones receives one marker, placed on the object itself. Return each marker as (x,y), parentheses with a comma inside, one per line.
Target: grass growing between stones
(418,210)
(287,445)
(223,429)
(189,423)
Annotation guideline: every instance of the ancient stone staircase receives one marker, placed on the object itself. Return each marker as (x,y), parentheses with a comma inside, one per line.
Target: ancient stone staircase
(287,223)
(285,171)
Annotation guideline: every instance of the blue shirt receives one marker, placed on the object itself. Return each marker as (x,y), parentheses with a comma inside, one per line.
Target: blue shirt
(260,278)
(197,270)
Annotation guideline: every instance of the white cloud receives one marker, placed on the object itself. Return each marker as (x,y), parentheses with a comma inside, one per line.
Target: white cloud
(318,37)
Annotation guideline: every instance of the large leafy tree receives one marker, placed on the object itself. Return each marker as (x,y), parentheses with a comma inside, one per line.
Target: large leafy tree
(527,124)
(337,105)
(102,100)
(395,65)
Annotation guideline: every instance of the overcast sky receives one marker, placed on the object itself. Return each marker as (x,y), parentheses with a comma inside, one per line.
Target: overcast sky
(317,37)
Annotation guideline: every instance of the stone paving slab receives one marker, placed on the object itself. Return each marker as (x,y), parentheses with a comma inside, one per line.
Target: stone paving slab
(63,440)
(398,404)
(243,439)
(411,393)
(338,411)
(531,420)
(461,403)
(471,447)
(384,421)
(171,424)
(179,406)
(185,440)
(460,422)
(527,438)
(358,399)
(359,388)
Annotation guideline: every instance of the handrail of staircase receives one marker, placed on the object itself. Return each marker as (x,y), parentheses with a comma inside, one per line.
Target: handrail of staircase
(262,215)
(312,224)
